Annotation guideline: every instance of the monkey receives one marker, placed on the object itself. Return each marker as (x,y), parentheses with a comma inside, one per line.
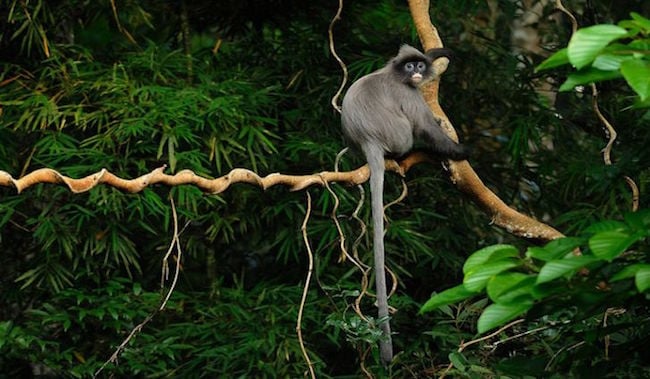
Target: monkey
(382,114)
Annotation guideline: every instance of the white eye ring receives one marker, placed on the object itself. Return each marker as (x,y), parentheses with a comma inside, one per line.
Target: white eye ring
(421,66)
(409,66)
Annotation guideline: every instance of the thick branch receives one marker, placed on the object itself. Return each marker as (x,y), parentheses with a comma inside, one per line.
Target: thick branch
(213,186)
(462,174)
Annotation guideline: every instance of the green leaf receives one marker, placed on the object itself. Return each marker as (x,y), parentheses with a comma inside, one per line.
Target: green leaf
(587,43)
(586,76)
(555,249)
(637,75)
(609,245)
(641,21)
(498,314)
(639,44)
(510,287)
(489,254)
(642,279)
(628,272)
(639,221)
(476,279)
(559,58)
(609,62)
(606,225)
(544,290)
(459,361)
(555,269)
(448,296)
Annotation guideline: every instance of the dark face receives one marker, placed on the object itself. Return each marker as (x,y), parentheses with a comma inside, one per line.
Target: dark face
(414,72)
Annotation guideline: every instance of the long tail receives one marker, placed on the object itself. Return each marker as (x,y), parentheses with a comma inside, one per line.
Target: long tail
(376,163)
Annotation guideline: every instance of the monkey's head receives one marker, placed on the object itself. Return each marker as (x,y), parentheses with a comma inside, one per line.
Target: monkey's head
(414,68)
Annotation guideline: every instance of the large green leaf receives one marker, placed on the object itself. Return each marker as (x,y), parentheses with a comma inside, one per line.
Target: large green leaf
(587,43)
(510,287)
(586,76)
(489,254)
(606,225)
(559,58)
(641,21)
(609,245)
(459,361)
(498,314)
(639,220)
(628,272)
(448,296)
(558,268)
(609,62)
(555,249)
(476,279)
(637,74)
(642,279)
(640,272)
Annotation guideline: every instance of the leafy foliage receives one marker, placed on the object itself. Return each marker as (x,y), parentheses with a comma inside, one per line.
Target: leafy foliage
(598,54)
(593,273)
(547,269)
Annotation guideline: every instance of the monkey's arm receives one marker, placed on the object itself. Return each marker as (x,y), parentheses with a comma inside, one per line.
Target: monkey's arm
(428,128)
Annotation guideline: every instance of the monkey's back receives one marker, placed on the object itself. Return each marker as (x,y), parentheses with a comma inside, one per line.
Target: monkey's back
(373,112)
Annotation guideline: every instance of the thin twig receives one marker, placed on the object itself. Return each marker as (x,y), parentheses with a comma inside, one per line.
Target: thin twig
(362,226)
(362,363)
(499,342)
(574,22)
(611,132)
(179,254)
(465,345)
(344,68)
(338,158)
(635,193)
(165,272)
(608,312)
(567,348)
(344,252)
(305,290)
(400,198)
(355,253)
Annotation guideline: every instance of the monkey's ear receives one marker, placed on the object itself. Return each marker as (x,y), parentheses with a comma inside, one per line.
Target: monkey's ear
(438,52)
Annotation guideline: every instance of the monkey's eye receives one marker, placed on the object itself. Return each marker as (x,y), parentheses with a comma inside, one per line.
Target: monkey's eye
(421,66)
(409,66)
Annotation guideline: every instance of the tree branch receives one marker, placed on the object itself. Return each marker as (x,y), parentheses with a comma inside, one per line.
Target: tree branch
(462,174)
(213,186)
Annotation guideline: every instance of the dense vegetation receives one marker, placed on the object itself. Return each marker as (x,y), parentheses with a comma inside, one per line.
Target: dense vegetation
(131,86)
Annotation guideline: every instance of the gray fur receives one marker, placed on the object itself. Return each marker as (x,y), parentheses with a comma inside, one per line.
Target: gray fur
(382,114)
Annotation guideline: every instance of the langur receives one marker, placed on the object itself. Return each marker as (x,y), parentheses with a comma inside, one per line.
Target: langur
(382,114)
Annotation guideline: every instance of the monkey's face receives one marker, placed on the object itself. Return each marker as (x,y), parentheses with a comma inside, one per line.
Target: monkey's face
(415,72)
